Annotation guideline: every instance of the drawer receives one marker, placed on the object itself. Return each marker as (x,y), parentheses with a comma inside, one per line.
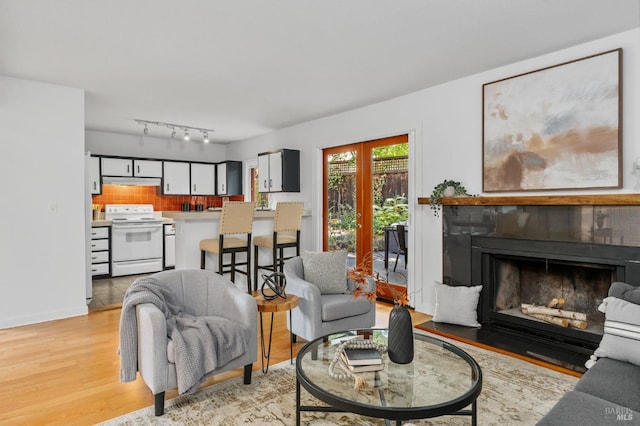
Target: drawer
(100,269)
(99,257)
(99,245)
(102,232)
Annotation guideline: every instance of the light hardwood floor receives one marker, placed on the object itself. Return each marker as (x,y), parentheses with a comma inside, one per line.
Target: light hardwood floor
(66,372)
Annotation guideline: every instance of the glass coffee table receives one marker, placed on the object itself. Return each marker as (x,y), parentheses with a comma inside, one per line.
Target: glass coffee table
(441,380)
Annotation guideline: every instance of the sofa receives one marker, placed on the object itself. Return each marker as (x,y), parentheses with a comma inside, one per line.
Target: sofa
(609,392)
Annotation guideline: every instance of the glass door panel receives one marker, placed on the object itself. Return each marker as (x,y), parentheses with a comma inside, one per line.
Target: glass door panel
(365,199)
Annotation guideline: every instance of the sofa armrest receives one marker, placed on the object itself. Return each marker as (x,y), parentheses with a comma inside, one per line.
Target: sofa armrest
(153,363)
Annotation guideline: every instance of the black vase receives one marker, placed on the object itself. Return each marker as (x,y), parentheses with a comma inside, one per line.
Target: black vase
(400,344)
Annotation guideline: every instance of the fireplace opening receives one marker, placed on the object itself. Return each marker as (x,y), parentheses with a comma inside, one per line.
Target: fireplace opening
(558,296)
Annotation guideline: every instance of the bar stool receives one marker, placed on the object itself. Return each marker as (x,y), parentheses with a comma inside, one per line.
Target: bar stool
(236,218)
(286,233)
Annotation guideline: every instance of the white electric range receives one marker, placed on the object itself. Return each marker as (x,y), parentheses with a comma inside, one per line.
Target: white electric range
(136,239)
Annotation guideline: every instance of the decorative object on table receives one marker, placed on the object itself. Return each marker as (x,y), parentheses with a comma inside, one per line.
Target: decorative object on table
(362,356)
(446,188)
(456,304)
(543,130)
(400,341)
(338,361)
(276,282)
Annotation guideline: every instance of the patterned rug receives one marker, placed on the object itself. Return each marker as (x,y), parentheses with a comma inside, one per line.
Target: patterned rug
(514,392)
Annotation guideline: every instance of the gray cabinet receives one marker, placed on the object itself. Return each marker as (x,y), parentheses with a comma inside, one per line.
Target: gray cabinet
(117,167)
(229,178)
(279,171)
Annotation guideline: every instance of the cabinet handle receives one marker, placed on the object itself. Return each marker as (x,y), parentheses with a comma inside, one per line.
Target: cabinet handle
(167,187)
(94,270)
(270,183)
(223,187)
(138,168)
(93,245)
(94,257)
(128,168)
(95,185)
(194,188)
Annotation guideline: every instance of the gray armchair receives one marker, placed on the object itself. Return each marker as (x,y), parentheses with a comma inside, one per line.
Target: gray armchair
(320,314)
(201,293)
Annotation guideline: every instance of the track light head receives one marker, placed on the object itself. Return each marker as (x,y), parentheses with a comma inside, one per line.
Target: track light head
(146,129)
(205,135)
(186,134)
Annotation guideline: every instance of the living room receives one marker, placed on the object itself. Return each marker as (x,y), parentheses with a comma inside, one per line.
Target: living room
(440,148)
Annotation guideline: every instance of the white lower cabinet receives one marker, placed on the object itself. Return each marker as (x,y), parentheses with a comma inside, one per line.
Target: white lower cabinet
(100,255)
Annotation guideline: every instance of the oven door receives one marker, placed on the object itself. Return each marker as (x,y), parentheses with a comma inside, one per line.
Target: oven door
(136,241)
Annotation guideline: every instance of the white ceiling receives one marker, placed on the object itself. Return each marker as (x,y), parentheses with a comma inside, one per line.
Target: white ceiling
(247,67)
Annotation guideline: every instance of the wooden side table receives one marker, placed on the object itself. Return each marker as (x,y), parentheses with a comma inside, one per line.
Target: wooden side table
(276,305)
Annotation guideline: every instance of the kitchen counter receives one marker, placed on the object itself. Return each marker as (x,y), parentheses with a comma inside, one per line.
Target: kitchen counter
(215,214)
(194,226)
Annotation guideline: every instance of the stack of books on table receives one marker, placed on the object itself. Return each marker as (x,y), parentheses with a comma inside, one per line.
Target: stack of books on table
(362,360)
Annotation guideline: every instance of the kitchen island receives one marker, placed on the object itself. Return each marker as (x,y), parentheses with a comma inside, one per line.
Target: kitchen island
(193,226)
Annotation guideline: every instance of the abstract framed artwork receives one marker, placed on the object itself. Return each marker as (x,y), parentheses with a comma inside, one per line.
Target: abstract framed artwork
(556,128)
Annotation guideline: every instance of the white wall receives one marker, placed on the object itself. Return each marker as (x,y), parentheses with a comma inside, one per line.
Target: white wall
(141,146)
(445,125)
(42,252)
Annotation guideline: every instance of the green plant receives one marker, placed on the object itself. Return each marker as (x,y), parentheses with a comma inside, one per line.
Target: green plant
(393,210)
(439,192)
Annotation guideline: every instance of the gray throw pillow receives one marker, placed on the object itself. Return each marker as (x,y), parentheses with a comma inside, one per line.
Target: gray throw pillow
(625,291)
(457,304)
(327,270)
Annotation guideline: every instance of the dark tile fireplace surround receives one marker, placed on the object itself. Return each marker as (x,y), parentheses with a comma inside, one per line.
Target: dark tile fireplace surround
(528,253)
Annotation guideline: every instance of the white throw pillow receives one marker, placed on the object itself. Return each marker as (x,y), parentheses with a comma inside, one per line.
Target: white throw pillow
(327,270)
(621,338)
(457,304)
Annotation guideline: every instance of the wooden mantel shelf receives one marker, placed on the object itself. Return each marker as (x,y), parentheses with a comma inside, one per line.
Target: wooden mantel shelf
(540,200)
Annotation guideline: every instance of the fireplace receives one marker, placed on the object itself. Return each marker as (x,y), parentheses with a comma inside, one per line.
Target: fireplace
(533,254)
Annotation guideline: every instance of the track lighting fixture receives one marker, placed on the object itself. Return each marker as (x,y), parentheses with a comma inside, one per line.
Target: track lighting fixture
(186,129)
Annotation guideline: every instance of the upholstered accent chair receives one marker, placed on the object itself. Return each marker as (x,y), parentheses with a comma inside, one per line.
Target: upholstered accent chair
(201,293)
(325,311)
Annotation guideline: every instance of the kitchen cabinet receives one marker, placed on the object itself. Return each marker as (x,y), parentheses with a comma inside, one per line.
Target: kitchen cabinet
(279,171)
(147,168)
(100,255)
(117,167)
(127,167)
(229,178)
(94,176)
(203,179)
(176,178)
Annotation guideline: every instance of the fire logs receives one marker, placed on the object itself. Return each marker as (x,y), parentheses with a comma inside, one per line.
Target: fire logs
(554,315)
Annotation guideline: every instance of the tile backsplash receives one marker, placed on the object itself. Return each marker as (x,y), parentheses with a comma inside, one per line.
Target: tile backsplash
(123,194)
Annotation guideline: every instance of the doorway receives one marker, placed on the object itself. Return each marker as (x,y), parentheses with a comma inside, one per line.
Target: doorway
(365,198)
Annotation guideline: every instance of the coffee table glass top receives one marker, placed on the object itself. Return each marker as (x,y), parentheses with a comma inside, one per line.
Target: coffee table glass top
(442,378)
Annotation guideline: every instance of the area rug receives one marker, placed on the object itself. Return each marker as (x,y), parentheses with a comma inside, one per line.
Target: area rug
(514,392)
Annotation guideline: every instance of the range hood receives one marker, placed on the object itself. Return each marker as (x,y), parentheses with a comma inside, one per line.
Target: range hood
(132,181)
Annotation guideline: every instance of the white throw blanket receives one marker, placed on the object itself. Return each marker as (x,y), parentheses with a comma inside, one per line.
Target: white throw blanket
(201,344)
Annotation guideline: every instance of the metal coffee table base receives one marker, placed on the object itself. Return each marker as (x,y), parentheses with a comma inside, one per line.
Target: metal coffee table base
(329,409)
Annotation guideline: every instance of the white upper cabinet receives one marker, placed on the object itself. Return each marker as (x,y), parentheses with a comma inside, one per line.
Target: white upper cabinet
(94,175)
(176,178)
(203,179)
(117,167)
(147,168)
(279,171)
